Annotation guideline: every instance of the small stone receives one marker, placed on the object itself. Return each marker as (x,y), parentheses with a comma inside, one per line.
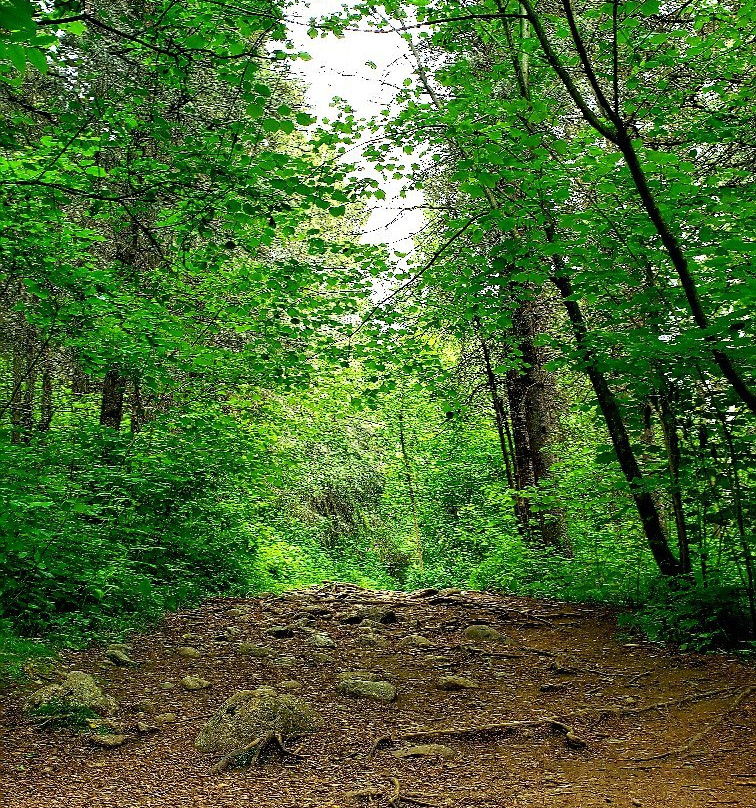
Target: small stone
(165,718)
(144,727)
(454,684)
(280,632)
(234,612)
(188,652)
(322,659)
(480,631)
(232,632)
(426,750)
(195,683)
(119,657)
(283,661)
(108,741)
(146,706)
(415,641)
(377,691)
(551,687)
(371,641)
(258,651)
(378,615)
(322,640)
(290,684)
(246,618)
(191,638)
(167,686)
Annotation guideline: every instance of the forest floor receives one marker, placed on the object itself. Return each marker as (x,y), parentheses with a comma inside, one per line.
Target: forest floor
(564,711)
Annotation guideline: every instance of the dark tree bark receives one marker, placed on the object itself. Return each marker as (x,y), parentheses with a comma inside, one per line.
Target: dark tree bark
(644,502)
(111,408)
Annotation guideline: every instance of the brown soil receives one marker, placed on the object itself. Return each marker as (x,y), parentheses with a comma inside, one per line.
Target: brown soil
(564,668)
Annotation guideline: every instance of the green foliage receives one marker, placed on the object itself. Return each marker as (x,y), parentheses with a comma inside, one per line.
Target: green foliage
(201,394)
(56,714)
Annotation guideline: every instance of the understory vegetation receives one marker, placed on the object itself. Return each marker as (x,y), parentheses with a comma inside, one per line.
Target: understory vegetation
(209,385)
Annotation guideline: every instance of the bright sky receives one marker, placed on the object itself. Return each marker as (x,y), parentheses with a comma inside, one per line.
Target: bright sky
(338,68)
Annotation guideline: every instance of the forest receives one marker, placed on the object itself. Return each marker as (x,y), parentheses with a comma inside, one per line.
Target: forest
(211,384)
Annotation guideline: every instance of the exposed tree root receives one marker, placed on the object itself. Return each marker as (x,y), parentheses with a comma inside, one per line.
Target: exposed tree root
(558,722)
(686,747)
(396,798)
(256,748)
(571,739)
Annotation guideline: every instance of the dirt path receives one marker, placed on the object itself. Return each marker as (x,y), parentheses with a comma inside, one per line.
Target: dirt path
(561,669)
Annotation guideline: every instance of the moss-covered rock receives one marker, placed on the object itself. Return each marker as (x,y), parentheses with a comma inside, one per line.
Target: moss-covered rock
(77,695)
(250,714)
(481,631)
(454,684)
(376,691)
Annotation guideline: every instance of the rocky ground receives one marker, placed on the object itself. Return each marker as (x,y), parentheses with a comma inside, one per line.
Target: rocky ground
(350,697)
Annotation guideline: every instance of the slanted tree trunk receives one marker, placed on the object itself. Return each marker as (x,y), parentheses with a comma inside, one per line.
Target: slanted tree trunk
(644,502)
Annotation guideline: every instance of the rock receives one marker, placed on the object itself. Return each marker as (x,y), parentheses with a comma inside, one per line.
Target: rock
(119,657)
(108,741)
(191,638)
(364,676)
(283,661)
(480,631)
(246,618)
(249,714)
(361,689)
(234,612)
(77,692)
(371,641)
(322,640)
(454,684)
(290,684)
(562,668)
(376,613)
(280,632)
(322,659)
(370,625)
(415,641)
(146,706)
(167,686)
(144,727)
(258,651)
(552,687)
(232,632)
(165,718)
(314,611)
(195,683)
(188,652)
(426,750)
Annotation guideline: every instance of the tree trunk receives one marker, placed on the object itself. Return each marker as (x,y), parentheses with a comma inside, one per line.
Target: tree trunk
(644,503)
(410,490)
(531,394)
(111,409)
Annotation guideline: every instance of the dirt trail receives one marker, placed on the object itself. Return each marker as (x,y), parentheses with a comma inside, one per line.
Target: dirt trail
(578,698)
